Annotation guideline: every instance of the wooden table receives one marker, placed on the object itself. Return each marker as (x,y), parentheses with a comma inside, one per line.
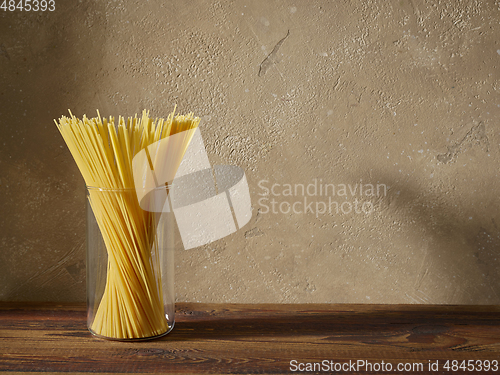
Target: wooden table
(231,338)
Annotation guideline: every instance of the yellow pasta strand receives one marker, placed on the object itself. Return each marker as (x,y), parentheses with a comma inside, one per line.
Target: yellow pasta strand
(132,302)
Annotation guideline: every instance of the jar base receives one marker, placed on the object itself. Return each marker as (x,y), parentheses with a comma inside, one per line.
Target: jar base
(170,327)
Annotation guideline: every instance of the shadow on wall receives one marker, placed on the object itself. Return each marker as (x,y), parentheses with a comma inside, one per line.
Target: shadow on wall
(49,63)
(461,260)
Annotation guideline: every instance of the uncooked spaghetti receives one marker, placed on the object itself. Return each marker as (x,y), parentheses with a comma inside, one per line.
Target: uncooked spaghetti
(131,306)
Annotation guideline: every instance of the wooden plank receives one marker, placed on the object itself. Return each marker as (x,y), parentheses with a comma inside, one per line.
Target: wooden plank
(228,338)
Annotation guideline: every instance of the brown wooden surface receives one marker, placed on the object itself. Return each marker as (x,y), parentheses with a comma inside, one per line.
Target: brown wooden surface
(252,338)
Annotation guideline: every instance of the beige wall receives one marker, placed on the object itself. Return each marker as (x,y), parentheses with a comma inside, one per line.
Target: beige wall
(402,93)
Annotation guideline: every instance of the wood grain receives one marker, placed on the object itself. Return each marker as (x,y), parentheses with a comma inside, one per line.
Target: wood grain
(250,338)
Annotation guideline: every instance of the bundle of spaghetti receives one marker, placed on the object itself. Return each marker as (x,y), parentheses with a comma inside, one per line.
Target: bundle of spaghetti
(131,305)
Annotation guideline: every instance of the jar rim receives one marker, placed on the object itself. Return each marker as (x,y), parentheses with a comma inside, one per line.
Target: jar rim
(124,189)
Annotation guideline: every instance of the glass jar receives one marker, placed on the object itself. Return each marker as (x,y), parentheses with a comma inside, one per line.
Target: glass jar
(130,265)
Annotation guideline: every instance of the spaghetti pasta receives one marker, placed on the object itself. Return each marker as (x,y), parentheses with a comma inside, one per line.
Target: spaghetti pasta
(131,306)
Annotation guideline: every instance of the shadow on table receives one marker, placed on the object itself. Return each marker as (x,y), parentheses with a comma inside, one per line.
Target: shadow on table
(422,324)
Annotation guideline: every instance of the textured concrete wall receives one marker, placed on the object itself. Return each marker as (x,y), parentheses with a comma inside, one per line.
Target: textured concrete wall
(397,93)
